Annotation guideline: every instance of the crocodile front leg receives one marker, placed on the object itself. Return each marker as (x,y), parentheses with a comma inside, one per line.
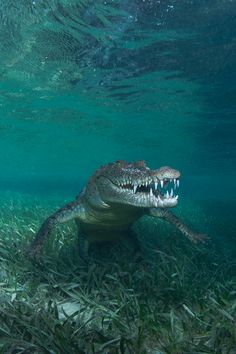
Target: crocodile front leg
(69,211)
(184,229)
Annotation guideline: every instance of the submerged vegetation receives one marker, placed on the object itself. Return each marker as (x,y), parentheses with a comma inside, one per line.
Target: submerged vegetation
(176,298)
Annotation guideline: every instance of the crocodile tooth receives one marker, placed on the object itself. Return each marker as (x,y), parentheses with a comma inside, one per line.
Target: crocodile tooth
(151,193)
(146,183)
(156,184)
(167,194)
(176,197)
(135,188)
(171,192)
(177,182)
(162,183)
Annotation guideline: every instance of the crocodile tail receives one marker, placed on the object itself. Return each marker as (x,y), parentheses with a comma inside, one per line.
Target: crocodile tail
(68,212)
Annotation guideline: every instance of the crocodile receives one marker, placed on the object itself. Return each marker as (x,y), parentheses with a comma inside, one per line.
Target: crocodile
(115,197)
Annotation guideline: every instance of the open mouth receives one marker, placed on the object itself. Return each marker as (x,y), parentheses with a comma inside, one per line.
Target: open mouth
(158,191)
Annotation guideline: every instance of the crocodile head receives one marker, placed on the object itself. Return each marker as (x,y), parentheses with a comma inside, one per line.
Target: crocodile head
(133,184)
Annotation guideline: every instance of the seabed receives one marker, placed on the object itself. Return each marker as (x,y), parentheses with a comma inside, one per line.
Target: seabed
(176,299)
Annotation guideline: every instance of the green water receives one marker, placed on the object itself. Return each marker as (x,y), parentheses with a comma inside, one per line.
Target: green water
(84,83)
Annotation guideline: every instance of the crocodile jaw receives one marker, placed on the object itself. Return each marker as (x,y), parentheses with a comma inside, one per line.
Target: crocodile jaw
(150,193)
(133,184)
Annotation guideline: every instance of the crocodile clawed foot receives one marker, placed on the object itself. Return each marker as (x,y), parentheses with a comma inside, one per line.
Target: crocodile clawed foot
(33,252)
(199,238)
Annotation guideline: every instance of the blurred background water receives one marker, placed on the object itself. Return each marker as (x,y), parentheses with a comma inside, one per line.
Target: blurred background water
(86,82)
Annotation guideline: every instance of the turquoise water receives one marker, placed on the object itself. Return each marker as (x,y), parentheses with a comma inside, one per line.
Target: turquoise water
(84,83)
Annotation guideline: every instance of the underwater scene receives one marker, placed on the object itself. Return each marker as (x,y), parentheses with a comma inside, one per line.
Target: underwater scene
(117,183)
